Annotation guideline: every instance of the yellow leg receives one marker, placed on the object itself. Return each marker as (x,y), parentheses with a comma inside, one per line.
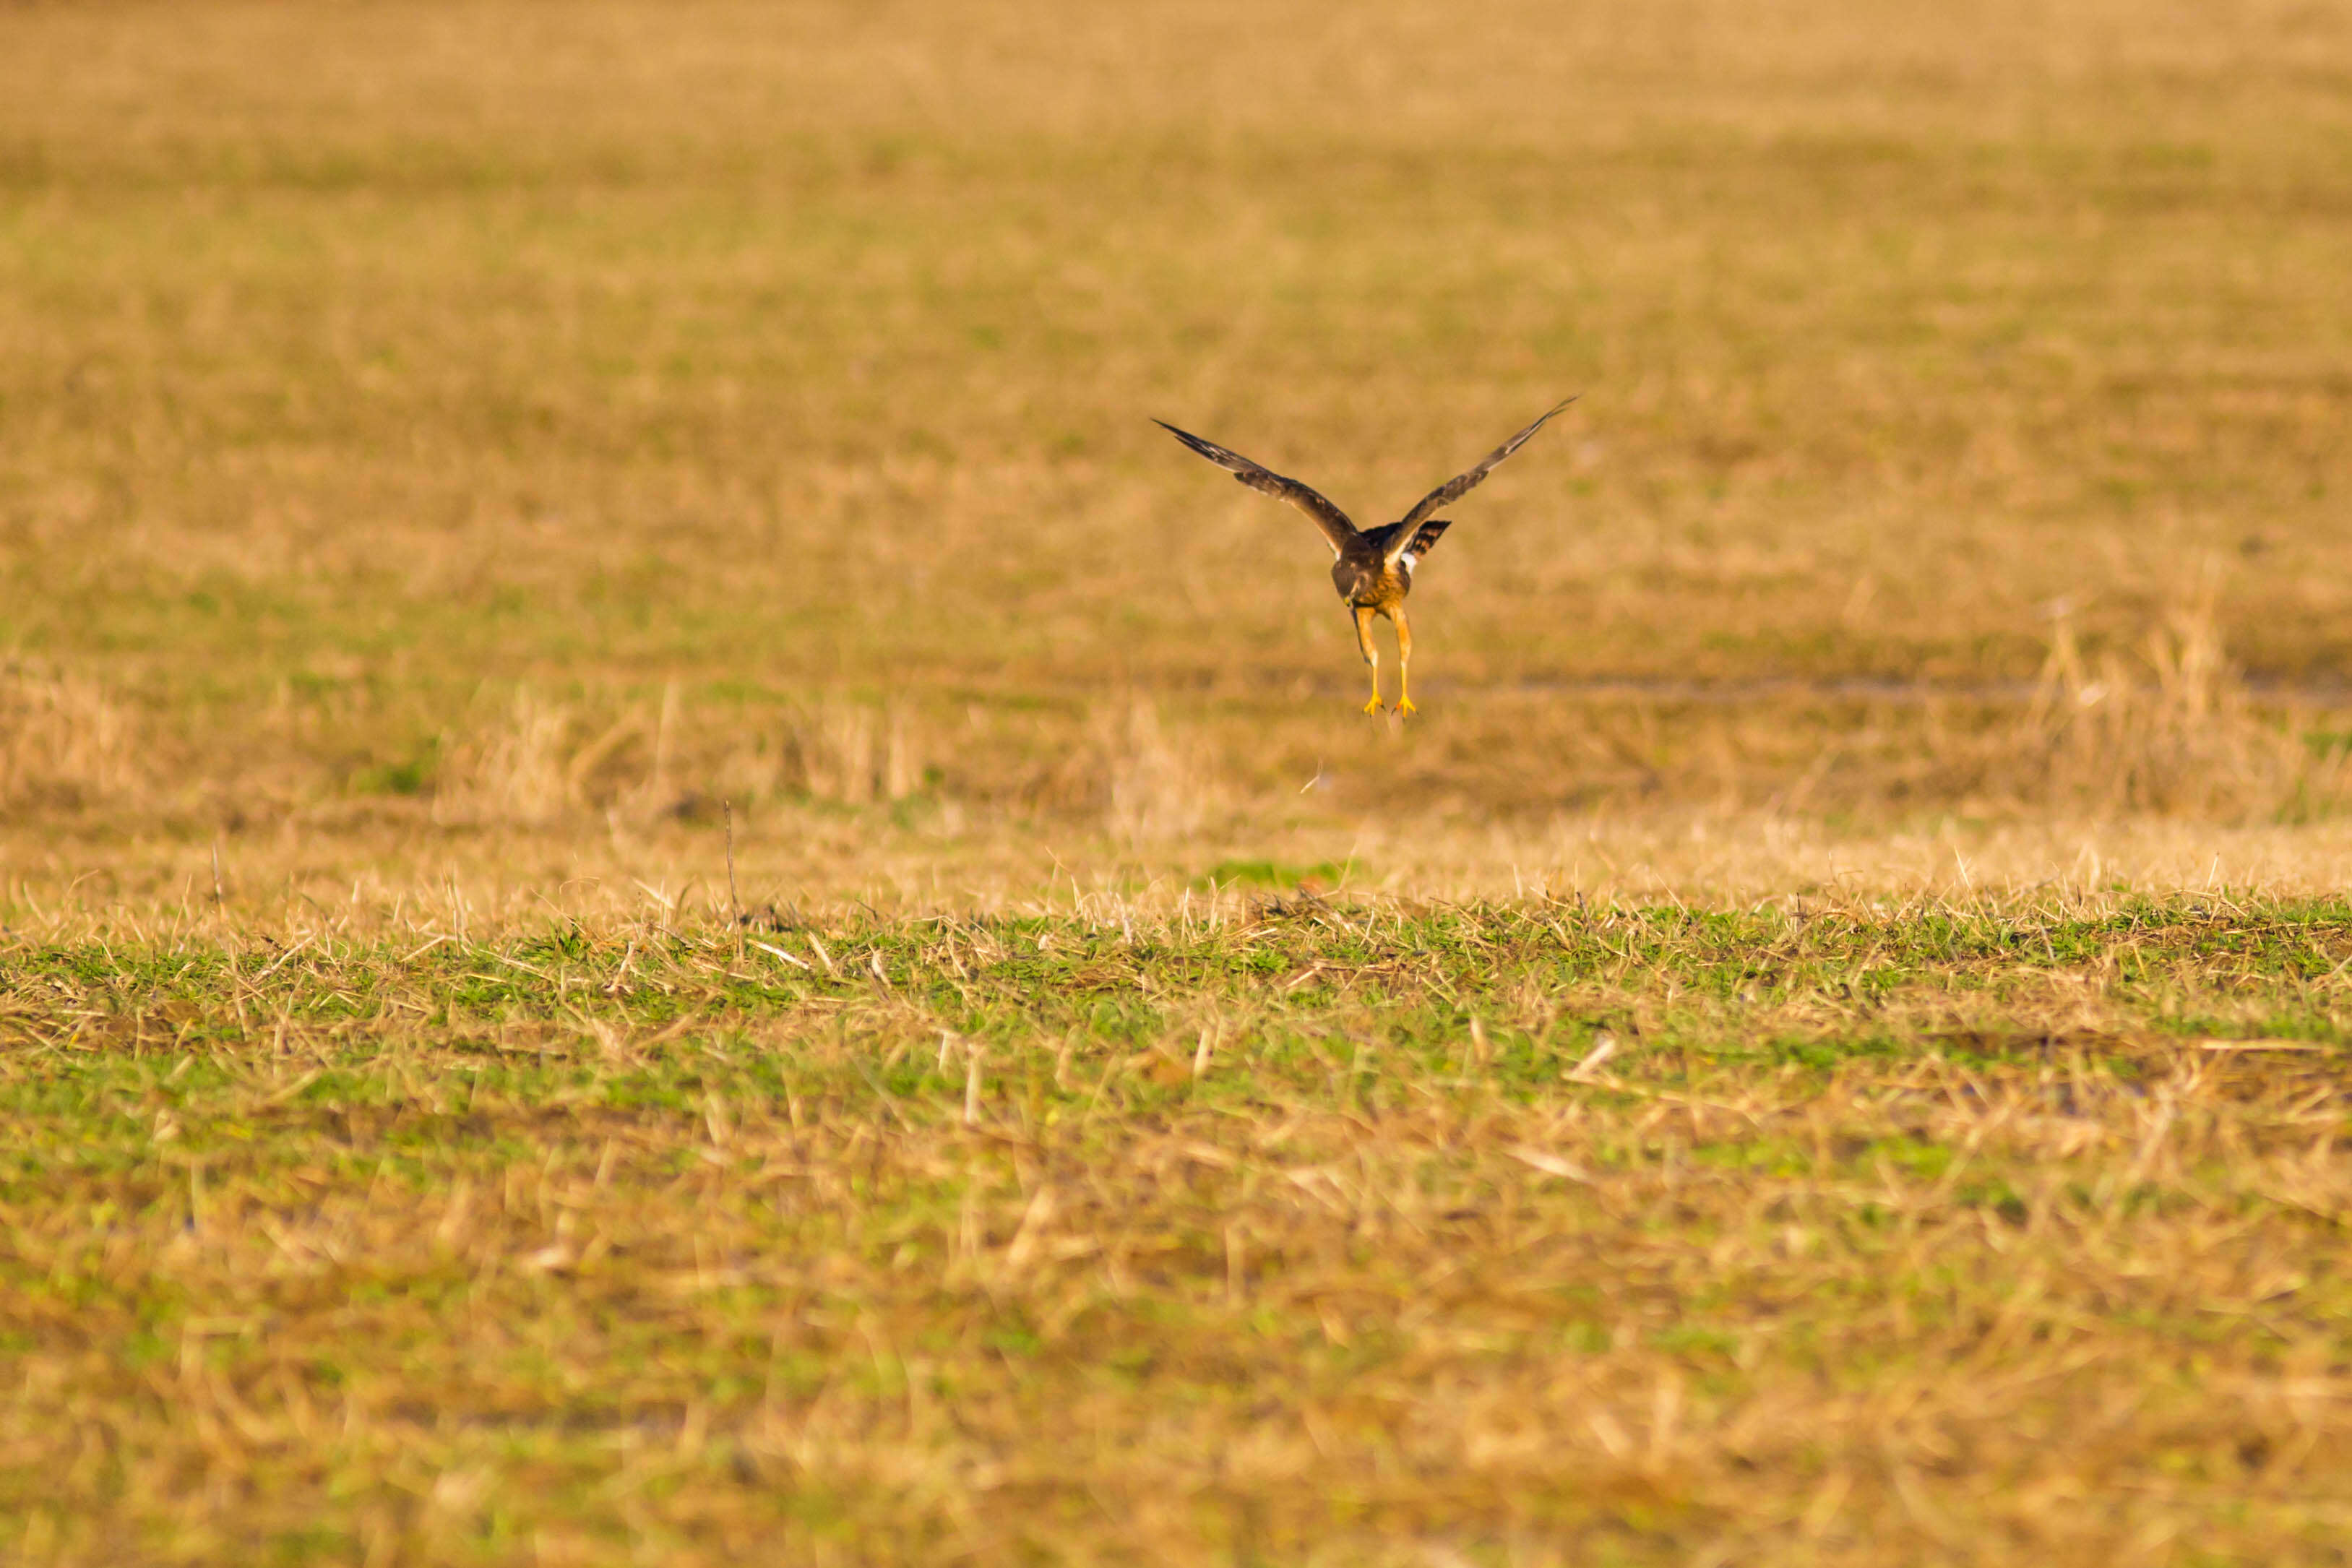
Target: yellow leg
(1371,654)
(1404,659)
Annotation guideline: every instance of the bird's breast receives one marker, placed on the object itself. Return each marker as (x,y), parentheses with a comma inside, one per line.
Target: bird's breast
(1371,586)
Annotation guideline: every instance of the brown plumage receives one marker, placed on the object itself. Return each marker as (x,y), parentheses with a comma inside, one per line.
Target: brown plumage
(1372,568)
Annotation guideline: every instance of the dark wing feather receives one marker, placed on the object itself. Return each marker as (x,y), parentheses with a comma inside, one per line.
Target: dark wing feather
(1336,529)
(1398,540)
(1454,488)
(1426,537)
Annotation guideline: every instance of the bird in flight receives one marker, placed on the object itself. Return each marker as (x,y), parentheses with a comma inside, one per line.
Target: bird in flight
(1371,567)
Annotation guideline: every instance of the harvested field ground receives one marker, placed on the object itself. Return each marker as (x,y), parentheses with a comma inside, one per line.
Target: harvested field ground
(670,891)
(1318,1233)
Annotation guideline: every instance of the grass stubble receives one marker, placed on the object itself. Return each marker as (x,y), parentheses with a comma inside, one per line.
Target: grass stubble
(1824,1044)
(1299,1229)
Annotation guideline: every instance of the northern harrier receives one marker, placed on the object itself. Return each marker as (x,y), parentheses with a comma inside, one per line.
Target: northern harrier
(1372,568)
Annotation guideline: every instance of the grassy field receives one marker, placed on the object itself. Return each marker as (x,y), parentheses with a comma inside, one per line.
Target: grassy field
(400,399)
(669,890)
(1314,1233)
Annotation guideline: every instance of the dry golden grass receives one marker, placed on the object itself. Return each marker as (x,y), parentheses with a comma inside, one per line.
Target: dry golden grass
(1994,1230)
(1822,1043)
(799,361)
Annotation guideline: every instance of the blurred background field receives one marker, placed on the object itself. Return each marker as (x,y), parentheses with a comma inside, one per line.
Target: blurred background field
(426,428)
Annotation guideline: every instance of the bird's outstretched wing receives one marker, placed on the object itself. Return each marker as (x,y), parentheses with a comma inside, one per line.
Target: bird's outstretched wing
(1426,535)
(1461,485)
(1336,529)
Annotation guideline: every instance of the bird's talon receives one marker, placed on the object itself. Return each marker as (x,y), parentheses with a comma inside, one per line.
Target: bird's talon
(1406,708)
(1373,706)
